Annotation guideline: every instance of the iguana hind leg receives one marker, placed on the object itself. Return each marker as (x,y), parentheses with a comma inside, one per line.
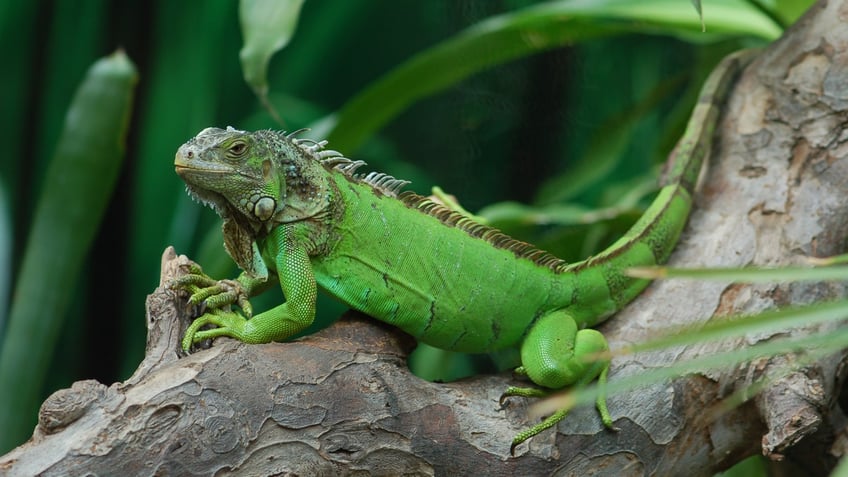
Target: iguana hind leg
(556,354)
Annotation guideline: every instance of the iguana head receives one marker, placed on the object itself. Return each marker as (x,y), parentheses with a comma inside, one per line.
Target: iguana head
(254,181)
(233,172)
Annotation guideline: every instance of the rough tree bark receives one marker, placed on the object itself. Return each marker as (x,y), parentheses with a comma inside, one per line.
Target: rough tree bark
(342,401)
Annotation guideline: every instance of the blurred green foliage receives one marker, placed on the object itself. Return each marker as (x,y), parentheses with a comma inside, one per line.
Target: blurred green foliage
(566,107)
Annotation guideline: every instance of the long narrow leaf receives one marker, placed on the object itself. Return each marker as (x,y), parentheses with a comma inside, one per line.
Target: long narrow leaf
(731,327)
(605,149)
(267,26)
(814,345)
(747,275)
(77,187)
(512,35)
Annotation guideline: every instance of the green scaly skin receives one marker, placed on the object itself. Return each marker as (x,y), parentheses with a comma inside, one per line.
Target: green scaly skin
(296,214)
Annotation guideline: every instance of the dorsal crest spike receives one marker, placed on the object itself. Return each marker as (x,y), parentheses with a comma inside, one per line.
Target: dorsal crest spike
(350,167)
(295,133)
(325,153)
(493,236)
(334,160)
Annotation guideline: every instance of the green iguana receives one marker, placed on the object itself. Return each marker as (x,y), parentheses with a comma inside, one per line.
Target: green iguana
(296,213)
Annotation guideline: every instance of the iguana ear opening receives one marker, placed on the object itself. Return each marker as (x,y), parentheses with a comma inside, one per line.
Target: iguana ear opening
(240,244)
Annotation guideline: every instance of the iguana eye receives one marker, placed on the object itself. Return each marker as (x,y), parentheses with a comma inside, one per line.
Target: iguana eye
(237,149)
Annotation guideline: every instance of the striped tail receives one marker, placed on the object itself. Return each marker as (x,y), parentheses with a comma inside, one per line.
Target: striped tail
(696,143)
(653,237)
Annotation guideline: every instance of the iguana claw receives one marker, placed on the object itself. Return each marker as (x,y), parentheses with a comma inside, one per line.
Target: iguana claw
(227,323)
(216,294)
(553,419)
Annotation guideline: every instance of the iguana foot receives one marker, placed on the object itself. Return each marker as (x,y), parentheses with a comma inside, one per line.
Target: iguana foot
(553,419)
(227,323)
(547,423)
(215,294)
(521,392)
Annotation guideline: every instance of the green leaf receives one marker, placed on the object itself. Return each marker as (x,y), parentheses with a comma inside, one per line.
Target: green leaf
(697,5)
(267,26)
(754,466)
(506,37)
(739,325)
(605,148)
(747,275)
(790,10)
(834,260)
(77,187)
(841,469)
(509,213)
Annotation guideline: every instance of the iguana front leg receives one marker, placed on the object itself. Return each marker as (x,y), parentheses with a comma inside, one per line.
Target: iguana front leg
(556,354)
(298,284)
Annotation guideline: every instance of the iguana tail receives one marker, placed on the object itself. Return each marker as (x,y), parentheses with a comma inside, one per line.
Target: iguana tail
(653,237)
(696,143)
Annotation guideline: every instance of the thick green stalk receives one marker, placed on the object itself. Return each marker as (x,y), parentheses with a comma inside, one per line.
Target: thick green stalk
(77,188)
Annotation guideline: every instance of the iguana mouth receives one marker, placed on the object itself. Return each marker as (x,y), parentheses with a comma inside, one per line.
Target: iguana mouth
(186,171)
(182,168)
